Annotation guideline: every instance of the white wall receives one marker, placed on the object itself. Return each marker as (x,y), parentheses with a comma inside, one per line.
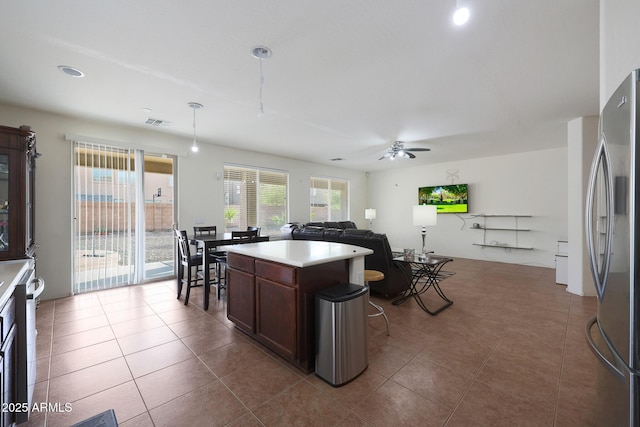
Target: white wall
(200,190)
(207,165)
(532,183)
(582,142)
(619,47)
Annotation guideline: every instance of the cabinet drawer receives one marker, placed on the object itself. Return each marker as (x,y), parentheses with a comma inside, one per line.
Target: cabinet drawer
(241,262)
(7,317)
(276,272)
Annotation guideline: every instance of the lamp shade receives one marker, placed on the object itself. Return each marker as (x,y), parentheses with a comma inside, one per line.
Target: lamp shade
(369,214)
(425,215)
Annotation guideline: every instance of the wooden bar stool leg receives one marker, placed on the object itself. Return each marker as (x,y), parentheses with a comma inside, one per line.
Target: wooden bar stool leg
(375,276)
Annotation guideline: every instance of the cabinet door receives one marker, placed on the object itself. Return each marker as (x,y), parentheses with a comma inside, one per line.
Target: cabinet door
(8,356)
(241,305)
(276,316)
(12,200)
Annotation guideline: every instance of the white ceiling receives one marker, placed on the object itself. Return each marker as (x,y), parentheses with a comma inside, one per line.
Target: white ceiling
(346,78)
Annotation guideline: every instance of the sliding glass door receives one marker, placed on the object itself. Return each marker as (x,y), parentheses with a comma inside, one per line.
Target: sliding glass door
(116,242)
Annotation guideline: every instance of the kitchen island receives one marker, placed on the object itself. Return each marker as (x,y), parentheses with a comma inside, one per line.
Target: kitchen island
(271,288)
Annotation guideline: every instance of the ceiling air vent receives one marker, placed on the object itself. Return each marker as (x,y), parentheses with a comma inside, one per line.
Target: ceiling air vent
(157,123)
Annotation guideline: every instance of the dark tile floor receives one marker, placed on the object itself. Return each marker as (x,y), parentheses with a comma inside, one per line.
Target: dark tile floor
(509,351)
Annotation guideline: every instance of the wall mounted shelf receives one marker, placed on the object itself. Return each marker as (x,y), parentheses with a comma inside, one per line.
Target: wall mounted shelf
(515,229)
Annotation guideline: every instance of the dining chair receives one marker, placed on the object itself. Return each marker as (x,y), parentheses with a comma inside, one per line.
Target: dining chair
(204,230)
(187,262)
(221,257)
(214,255)
(249,234)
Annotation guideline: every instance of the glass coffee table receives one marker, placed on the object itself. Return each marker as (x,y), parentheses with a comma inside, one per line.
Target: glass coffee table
(423,275)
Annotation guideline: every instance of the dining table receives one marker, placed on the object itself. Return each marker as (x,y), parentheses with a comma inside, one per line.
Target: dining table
(426,273)
(209,243)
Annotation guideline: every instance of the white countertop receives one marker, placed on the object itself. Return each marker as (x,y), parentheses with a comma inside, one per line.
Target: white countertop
(10,273)
(299,253)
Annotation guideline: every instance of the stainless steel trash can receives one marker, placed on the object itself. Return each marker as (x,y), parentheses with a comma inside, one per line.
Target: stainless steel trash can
(341,333)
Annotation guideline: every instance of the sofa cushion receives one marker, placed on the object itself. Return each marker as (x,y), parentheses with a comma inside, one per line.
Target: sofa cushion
(357,232)
(331,224)
(332,234)
(308,233)
(347,224)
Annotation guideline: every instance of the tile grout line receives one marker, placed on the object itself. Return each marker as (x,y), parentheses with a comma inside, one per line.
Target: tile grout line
(475,378)
(562,364)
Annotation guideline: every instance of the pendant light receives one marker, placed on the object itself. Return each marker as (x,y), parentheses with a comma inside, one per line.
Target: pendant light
(261,52)
(195,106)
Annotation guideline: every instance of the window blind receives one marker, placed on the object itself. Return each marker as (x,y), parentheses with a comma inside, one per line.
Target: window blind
(329,199)
(255,197)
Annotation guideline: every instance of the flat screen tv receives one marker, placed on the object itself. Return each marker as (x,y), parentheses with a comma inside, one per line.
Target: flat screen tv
(446,198)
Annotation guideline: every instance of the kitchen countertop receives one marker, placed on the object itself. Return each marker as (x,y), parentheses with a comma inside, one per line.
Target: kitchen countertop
(299,253)
(10,274)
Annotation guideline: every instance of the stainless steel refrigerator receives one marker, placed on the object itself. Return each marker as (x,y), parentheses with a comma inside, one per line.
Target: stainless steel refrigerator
(613,242)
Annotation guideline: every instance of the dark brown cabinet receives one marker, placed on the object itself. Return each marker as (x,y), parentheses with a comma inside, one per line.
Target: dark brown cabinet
(241,307)
(8,367)
(17,182)
(276,316)
(274,303)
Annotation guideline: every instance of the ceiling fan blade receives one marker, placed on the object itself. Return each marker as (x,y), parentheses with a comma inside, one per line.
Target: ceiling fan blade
(417,149)
(410,155)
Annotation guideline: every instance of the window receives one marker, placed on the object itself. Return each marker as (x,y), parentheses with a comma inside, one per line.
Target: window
(329,199)
(255,197)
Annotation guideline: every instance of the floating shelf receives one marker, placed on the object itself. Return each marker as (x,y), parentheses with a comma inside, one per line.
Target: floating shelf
(498,228)
(504,216)
(502,246)
(515,229)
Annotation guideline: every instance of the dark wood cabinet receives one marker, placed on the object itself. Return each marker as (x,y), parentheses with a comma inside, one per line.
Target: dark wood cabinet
(274,303)
(8,367)
(17,184)
(241,306)
(276,316)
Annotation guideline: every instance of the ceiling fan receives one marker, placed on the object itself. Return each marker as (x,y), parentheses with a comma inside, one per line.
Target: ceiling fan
(397,150)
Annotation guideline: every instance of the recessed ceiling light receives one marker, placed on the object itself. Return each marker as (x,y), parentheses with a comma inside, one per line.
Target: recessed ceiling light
(147,110)
(70,71)
(461,16)
(261,52)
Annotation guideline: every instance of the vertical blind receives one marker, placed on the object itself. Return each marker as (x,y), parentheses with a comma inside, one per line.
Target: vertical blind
(104,187)
(329,199)
(255,197)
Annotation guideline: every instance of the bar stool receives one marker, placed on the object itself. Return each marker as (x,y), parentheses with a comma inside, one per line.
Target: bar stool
(376,276)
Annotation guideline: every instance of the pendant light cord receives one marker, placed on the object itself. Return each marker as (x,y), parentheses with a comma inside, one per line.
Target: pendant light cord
(194,125)
(261,84)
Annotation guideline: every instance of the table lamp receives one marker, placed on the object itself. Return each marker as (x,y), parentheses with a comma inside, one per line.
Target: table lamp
(424,215)
(370,214)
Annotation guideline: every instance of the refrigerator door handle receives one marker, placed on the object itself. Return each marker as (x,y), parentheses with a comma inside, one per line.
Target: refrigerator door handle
(601,158)
(594,348)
